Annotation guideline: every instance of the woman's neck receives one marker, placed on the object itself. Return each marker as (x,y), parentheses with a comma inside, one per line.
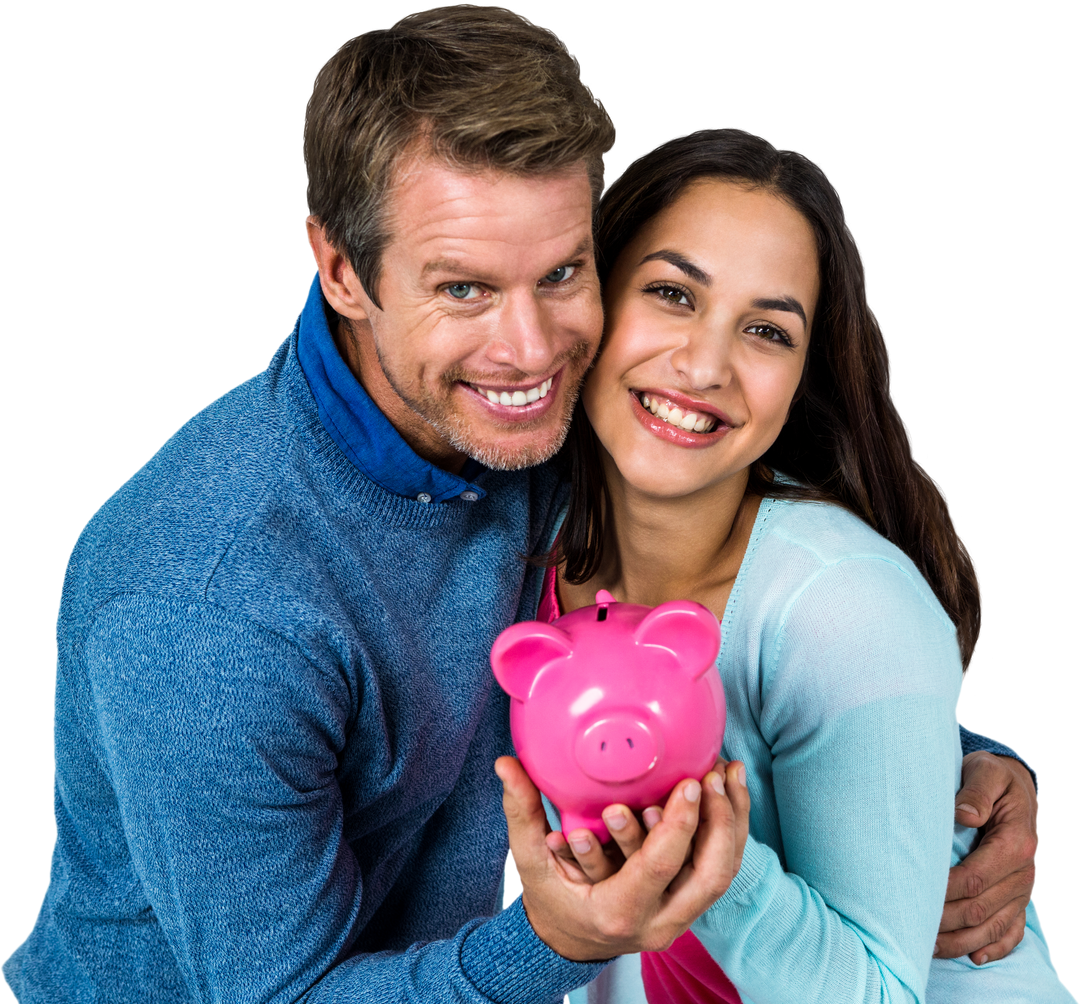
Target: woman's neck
(658,549)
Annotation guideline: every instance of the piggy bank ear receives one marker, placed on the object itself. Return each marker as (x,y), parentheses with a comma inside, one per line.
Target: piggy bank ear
(522,650)
(689,631)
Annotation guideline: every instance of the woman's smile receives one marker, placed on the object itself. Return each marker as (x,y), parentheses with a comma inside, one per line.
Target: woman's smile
(677,418)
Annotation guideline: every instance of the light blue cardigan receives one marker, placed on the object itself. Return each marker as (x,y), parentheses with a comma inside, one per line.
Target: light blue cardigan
(841,672)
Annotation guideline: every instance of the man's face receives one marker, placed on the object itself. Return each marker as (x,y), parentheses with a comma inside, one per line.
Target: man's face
(490,312)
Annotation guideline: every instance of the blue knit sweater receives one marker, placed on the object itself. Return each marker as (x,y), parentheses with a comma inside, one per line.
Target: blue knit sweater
(275,722)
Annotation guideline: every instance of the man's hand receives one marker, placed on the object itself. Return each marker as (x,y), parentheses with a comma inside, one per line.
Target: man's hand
(670,877)
(989,890)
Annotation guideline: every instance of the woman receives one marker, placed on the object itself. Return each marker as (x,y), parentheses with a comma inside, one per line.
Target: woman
(736,445)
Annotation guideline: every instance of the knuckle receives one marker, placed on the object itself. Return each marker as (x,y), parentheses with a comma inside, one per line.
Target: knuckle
(1027,878)
(999,926)
(1028,847)
(972,885)
(661,940)
(616,928)
(975,913)
(657,871)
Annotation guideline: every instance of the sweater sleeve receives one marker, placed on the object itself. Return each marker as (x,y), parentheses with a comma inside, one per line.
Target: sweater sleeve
(970,742)
(859,683)
(222,740)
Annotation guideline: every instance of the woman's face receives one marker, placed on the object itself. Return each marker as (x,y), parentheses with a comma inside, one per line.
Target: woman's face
(708,314)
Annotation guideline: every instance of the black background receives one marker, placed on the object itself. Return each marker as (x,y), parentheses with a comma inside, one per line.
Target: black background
(161,239)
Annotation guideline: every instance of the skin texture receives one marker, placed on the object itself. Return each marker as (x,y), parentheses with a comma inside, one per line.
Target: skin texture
(700,336)
(517,251)
(704,341)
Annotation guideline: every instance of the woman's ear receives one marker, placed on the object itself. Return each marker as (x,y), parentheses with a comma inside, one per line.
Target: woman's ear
(342,289)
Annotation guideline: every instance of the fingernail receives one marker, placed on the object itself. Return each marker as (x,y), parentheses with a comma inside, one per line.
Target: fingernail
(716,782)
(581,846)
(615,820)
(692,792)
(964,807)
(937,949)
(742,776)
(983,959)
(652,816)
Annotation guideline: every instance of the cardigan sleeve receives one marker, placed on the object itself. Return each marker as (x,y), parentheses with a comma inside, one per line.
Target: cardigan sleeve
(859,685)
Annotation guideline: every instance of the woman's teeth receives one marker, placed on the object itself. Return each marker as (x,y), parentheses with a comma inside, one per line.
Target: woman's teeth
(518,397)
(690,421)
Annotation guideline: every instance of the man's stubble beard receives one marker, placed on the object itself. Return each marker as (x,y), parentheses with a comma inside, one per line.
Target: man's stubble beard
(455,430)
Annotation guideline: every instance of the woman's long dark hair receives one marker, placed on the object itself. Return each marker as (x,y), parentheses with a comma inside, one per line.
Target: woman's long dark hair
(844,441)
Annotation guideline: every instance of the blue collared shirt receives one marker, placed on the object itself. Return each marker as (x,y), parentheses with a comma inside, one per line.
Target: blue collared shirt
(356,424)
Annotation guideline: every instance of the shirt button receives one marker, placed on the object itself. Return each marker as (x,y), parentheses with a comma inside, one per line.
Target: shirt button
(469,496)
(423,497)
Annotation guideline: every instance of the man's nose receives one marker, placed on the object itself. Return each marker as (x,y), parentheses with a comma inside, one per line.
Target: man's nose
(527,337)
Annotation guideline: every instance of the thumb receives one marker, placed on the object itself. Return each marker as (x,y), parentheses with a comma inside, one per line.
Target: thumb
(973,804)
(526,820)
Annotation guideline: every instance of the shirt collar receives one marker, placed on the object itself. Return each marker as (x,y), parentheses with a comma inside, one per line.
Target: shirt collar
(364,434)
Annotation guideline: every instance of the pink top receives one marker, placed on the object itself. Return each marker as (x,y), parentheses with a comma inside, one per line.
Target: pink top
(686,973)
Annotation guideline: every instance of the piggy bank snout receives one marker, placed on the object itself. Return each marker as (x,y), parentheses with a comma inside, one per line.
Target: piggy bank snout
(616,748)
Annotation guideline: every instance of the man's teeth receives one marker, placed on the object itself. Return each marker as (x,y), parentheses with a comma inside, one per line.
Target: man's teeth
(518,397)
(688,420)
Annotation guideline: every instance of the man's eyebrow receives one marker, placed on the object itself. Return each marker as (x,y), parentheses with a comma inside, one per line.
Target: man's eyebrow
(455,267)
(682,263)
(788,303)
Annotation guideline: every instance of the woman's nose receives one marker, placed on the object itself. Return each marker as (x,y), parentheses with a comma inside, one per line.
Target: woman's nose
(703,360)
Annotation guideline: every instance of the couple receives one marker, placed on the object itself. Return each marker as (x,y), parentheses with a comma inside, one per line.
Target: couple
(275,719)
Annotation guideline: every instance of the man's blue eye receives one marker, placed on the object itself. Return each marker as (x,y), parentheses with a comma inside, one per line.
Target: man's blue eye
(561,274)
(459,290)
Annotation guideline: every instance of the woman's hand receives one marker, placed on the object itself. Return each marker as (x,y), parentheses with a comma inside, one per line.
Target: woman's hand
(725,802)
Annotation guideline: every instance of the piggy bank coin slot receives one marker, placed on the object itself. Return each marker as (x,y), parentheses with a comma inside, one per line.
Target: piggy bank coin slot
(601,614)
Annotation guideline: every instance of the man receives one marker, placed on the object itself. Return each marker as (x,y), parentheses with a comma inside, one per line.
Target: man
(275,721)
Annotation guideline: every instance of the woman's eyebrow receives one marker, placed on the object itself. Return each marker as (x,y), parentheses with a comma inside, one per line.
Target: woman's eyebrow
(682,263)
(788,303)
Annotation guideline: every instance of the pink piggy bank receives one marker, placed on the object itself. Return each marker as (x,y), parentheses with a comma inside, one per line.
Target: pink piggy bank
(613,703)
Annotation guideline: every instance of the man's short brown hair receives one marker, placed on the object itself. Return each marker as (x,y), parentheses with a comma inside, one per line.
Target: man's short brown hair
(481,86)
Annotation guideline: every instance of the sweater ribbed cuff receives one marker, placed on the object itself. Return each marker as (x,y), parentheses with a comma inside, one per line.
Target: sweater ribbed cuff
(506,961)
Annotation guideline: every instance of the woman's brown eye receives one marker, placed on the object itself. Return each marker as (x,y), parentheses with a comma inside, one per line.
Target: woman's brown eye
(673,295)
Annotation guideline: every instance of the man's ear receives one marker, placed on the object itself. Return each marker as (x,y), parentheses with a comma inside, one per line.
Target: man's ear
(340,286)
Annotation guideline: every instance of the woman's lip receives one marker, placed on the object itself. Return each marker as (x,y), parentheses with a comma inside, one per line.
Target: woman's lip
(684,402)
(673,434)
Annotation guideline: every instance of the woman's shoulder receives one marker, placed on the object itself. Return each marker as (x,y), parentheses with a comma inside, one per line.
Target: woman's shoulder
(815,560)
(829,531)
(828,612)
